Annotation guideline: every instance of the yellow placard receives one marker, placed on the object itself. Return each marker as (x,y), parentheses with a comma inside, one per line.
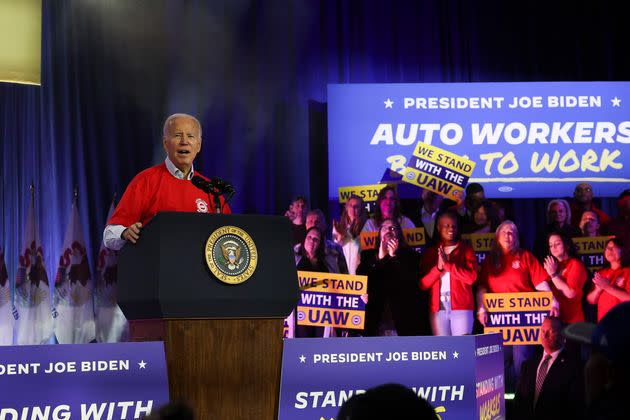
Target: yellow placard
(591,250)
(329,299)
(592,245)
(367,192)
(480,242)
(517,316)
(438,170)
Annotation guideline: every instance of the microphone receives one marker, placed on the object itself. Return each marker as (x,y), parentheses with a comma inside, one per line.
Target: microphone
(215,186)
(202,184)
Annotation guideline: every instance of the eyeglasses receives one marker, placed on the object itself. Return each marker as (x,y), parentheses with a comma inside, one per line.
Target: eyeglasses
(584,189)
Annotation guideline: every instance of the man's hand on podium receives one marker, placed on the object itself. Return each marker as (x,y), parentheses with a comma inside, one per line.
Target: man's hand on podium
(132,233)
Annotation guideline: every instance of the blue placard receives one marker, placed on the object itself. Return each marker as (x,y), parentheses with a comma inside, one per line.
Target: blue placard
(461,377)
(520,135)
(82,381)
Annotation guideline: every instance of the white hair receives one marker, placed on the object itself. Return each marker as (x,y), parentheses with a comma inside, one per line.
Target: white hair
(170,119)
(563,203)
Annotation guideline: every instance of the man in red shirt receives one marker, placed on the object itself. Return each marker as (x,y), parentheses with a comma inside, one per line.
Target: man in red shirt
(165,187)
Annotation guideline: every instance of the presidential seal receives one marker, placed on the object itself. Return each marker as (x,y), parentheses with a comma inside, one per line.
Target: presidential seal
(231,254)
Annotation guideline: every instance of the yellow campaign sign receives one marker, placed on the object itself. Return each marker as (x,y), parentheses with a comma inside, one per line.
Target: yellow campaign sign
(480,242)
(438,170)
(367,192)
(414,237)
(517,316)
(591,250)
(329,299)
(592,245)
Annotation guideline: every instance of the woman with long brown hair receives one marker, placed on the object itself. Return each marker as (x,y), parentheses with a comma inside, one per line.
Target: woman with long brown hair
(347,230)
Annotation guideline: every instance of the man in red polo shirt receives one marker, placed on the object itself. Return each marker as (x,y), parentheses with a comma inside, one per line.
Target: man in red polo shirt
(165,187)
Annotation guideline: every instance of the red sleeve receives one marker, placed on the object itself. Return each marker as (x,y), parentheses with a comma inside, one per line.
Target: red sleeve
(576,275)
(537,273)
(484,274)
(464,269)
(626,274)
(428,268)
(129,209)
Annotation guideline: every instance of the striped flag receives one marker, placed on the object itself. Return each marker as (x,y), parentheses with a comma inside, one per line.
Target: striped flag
(6,319)
(111,324)
(73,297)
(33,323)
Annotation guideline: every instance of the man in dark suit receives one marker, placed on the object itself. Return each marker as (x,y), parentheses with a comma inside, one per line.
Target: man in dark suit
(551,386)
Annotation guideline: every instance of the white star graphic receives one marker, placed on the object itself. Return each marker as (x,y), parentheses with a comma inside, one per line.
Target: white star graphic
(616,101)
(388,103)
(302,359)
(455,355)
(142,364)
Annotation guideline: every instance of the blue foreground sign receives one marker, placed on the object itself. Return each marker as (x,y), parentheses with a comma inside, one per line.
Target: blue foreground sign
(461,377)
(82,381)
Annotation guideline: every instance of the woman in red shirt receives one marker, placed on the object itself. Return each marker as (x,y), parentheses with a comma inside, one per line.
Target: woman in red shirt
(612,283)
(568,276)
(510,269)
(450,270)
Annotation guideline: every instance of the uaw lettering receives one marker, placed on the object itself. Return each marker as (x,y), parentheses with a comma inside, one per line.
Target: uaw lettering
(517,316)
(438,170)
(519,134)
(481,243)
(320,375)
(329,299)
(415,237)
(591,251)
(82,381)
(366,192)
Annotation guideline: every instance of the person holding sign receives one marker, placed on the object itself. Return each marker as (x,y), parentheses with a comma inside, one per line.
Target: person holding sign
(347,231)
(396,306)
(568,276)
(450,270)
(510,269)
(311,255)
(387,207)
(611,284)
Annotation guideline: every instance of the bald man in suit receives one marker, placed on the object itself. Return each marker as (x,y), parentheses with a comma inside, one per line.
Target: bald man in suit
(551,386)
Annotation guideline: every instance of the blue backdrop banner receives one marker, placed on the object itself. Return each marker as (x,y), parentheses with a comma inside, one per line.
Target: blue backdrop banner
(520,135)
(82,381)
(461,377)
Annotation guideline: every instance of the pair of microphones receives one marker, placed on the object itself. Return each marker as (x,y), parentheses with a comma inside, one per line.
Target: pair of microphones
(214,186)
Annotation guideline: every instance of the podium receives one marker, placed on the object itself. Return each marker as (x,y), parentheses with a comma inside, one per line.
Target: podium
(223,341)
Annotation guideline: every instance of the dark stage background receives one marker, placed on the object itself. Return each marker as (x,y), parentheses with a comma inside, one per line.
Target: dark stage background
(255,73)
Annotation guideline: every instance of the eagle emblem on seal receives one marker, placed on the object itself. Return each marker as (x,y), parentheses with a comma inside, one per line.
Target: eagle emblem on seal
(231,251)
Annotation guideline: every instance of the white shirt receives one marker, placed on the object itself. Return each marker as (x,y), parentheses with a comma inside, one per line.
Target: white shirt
(445,277)
(553,355)
(112,238)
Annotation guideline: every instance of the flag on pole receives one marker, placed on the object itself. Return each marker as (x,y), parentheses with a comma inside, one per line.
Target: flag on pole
(74,290)
(6,318)
(33,323)
(111,324)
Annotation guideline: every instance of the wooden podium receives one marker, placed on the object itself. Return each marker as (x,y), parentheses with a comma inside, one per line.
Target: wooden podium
(223,341)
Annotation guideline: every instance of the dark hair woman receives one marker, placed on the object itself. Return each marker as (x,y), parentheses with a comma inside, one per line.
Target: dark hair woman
(611,283)
(396,305)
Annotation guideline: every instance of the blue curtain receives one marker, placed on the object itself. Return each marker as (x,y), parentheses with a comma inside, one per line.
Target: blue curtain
(255,73)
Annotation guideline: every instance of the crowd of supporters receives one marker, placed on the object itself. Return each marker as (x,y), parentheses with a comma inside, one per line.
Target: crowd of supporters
(440,290)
